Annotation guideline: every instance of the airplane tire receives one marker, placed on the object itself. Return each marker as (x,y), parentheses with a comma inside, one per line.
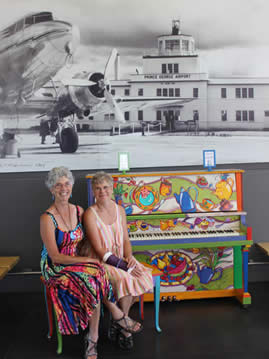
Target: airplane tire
(69,140)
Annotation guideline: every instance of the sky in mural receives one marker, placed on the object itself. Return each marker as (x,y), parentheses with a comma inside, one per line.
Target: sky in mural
(231,36)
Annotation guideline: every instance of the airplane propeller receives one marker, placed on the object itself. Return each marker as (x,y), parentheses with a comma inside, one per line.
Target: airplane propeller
(109,98)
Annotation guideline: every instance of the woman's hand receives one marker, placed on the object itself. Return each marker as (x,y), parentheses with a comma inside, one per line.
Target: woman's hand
(135,265)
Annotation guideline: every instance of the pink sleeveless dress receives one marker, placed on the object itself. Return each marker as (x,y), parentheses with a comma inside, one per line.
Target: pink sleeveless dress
(123,283)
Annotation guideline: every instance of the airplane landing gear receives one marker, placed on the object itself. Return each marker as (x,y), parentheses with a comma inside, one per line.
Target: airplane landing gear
(69,140)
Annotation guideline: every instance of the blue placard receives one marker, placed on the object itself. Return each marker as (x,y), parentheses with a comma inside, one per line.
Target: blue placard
(209,159)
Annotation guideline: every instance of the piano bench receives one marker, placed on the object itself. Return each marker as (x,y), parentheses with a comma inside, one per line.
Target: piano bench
(156,276)
(264,246)
(50,310)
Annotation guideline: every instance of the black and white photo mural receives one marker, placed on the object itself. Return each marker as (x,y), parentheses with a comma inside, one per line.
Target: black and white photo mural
(81,81)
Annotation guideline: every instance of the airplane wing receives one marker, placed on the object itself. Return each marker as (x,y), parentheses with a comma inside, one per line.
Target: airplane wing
(137,103)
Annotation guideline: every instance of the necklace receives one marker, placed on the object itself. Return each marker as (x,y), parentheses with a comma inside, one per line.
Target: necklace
(69,227)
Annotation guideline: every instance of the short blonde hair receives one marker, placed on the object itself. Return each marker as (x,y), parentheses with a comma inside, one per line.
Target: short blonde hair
(100,177)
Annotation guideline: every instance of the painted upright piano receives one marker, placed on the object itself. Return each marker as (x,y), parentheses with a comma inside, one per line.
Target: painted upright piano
(192,227)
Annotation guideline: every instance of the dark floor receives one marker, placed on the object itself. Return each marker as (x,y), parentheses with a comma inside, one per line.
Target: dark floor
(208,328)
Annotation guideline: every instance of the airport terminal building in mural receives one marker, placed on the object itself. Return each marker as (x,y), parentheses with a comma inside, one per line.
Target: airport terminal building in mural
(209,104)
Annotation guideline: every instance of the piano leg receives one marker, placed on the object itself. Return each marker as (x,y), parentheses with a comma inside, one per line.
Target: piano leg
(157,284)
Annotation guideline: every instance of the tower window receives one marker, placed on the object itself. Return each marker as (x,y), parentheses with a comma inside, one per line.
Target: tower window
(165,92)
(176,68)
(163,68)
(158,92)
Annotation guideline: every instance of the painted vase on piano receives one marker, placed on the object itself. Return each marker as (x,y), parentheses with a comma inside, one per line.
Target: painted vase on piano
(187,204)
(206,274)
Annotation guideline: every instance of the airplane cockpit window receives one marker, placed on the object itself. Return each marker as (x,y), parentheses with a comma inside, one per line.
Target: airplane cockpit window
(43,17)
(29,20)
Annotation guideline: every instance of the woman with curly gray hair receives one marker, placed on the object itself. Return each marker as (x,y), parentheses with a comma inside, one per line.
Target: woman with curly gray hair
(77,284)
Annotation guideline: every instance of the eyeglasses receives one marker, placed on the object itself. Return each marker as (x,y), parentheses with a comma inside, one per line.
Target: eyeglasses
(99,189)
(62,185)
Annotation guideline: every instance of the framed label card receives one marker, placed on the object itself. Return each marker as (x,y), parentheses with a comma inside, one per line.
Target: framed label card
(123,161)
(209,159)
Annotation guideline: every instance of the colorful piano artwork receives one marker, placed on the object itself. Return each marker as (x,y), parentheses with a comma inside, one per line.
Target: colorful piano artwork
(192,227)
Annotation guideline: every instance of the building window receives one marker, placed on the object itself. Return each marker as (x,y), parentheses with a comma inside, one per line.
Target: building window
(158,115)
(165,92)
(170,68)
(245,116)
(171,92)
(113,91)
(127,116)
(127,92)
(238,115)
(251,115)
(223,92)
(251,92)
(185,45)
(223,115)
(163,68)
(244,92)
(172,44)
(176,68)
(195,92)
(266,113)
(140,115)
(238,93)
(177,92)
(159,92)
(140,92)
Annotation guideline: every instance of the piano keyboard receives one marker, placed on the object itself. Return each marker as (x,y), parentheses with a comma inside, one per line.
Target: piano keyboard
(178,235)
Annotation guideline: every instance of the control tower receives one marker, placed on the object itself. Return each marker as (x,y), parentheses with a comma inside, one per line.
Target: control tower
(176,54)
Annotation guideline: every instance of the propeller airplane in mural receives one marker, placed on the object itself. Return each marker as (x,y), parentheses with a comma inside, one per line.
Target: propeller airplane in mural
(33,50)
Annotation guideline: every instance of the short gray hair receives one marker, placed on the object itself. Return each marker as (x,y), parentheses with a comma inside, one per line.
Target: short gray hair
(100,177)
(56,173)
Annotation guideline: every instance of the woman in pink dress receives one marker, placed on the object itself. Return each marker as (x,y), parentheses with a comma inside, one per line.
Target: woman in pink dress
(106,229)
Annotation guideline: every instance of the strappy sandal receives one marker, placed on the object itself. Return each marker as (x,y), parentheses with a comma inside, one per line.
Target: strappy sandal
(128,325)
(125,343)
(112,331)
(90,348)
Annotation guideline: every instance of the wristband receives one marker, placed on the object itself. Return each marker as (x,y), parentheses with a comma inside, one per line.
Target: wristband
(106,256)
(117,262)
